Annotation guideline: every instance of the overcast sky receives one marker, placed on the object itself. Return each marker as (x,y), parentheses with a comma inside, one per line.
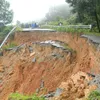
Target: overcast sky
(31,10)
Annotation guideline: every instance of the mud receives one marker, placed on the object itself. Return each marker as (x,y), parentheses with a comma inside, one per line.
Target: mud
(37,65)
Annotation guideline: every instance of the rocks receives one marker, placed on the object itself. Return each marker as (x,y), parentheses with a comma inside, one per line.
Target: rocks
(49,95)
(64,95)
(30,49)
(73,88)
(57,55)
(11,73)
(33,60)
(80,94)
(92,87)
(42,84)
(32,54)
(58,92)
(96,81)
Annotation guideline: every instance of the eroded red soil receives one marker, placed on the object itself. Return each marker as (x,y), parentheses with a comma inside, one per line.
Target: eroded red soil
(19,73)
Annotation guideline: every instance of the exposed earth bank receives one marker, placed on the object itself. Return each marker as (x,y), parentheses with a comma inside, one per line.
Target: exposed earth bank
(43,62)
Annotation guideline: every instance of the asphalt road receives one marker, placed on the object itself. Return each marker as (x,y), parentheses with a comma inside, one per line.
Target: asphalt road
(93,38)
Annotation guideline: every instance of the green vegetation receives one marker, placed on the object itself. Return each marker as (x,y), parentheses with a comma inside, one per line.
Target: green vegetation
(18,29)
(66,46)
(17,96)
(73,30)
(94,95)
(10,45)
(6,15)
(58,13)
(88,11)
(67,29)
(4,31)
(80,12)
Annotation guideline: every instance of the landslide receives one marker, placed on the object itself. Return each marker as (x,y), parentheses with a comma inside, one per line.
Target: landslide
(36,66)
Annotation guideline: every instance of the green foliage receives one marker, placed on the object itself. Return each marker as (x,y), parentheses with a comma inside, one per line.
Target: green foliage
(6,15)
(18,29)
(68,29)
(88,11)
(10,45)
(94,95)
(17,96)
(7,29)
(66,46)
(57,13)
(4,31)
(92,33)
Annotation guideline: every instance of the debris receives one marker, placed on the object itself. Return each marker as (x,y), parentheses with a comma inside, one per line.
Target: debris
(96,81)
(32,54)
(49,95)
(1,53)
(30,49)
(58,92)
(57,55)
(42,84)
(34,60)
(92,75)
(37,90)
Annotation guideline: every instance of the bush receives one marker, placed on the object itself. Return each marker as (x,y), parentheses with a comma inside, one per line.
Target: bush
(10,45)
(67,29)
(4,31)
(17,96)
(94,95)
(7,29)
(18,29)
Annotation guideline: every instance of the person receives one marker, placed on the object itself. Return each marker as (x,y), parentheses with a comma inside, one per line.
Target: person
(92,26)
(60,23)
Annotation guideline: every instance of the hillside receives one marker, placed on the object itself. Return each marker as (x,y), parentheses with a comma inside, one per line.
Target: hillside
(43,62)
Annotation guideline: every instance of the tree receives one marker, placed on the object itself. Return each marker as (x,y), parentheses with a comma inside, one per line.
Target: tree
(6,15)
(88,11)
(58,12)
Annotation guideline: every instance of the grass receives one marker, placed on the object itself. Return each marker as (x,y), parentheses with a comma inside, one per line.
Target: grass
(93,33)
(18,29)
(94,95)
(17,96)
(75,30)
(10,45)
(66,46)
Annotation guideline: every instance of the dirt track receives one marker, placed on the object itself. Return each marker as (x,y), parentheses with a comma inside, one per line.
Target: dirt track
(20,73)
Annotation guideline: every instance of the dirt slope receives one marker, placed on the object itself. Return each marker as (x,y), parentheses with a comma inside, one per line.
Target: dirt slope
(37,65)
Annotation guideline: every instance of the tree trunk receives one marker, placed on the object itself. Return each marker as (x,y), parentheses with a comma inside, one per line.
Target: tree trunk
(97,20)
(80,18)
(96,16)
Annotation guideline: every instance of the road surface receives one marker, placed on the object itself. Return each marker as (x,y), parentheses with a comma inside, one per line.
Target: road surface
(93,38)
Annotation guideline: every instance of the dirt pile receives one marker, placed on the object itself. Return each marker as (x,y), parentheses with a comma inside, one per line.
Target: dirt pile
(37,65)
(75,88)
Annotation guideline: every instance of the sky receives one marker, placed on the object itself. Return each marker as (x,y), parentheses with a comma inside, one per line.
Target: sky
(31,10)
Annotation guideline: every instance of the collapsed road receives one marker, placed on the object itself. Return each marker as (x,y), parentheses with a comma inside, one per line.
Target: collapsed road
(49,64)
